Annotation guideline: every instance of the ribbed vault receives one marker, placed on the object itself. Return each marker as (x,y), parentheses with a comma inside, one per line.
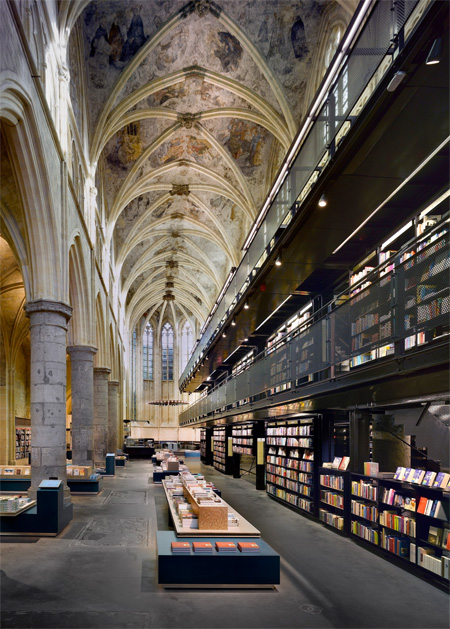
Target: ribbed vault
(192,107)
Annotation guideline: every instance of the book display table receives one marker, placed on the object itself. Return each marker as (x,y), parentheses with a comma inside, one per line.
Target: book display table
(235,569)
(85,485)
(244,529)
(14,484)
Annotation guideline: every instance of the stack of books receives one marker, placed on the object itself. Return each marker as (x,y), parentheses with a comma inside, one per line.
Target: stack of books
(202,547)
(181,548)
(248,547)
(232,520)
(226,547)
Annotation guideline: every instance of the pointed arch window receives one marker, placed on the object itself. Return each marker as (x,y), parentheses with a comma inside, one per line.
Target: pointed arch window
(147,353)
(167,352)
(187,343)
(133,376)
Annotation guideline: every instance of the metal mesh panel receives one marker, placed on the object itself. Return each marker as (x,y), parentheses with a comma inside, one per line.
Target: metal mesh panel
(278,364)
(257,378)
(241,381)
(423,298)
(307,352)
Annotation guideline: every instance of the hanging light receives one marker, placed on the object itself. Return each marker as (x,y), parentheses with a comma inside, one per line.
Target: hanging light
(246,305)
(434,56)
(278,261)
(233,322)
(323,200)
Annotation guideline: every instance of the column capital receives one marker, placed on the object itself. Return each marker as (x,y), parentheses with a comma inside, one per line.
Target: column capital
(102,370)
(81,349)
(113,383)
(47,305)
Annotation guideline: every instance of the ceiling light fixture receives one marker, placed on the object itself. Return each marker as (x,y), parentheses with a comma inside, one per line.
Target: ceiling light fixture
(224,335)
(233,322)
(396,80)
(246,305)
(278,261)
(323,200)
(434,56)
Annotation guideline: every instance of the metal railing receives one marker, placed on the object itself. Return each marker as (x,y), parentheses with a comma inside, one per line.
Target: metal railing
(370,56)
(398,307)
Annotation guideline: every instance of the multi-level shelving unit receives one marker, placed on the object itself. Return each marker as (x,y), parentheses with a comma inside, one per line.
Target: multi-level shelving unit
(243,440)
(291,456)
(23,443)
(203,445)
(404,519)
(220,446)
(334,497)
(425,287)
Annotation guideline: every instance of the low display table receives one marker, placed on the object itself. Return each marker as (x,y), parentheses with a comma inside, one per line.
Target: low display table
(159,475)
(85,485)
(235,569)
(245,529)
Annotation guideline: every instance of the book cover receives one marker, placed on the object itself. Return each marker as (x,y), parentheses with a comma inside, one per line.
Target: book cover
(336,462)
(180,547)
(344,463)
(430,506)
(399,473)
(428,479)
(226,546)
(417,477)
(248,547)
(435,535)
(441,480)
(409,473)
(422,504)
(202,547)
(371,468)
(439,511)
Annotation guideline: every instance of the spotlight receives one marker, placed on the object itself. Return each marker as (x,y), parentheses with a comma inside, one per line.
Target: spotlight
(233,322)
(224,335)
(434,56)
(395,81)
(278,261)
(246,306)
(322,201)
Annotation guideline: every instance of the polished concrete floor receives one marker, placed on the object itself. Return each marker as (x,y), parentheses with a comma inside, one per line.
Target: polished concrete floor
(101,571)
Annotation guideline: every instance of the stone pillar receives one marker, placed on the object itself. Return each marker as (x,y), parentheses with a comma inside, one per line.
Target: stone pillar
(113,415)
(48,328)
(82,362)
(101,375)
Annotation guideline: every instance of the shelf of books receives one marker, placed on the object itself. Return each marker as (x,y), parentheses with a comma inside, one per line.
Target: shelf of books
(222,453)
(243,439)
(425,292)
(406,516)
(291,456)
(203,445)
(23,443)
(334,494)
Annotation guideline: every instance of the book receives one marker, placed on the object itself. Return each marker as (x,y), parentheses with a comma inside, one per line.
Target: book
(417,477)
(344,463)
(248,547)
(371,468)
(441,480)
(428,479)
(399,473)
(422,504)
(439,511)
(435,534)
(446,539)
(202,547)
(336,462)
(180,547)
(226,547)
(409,473)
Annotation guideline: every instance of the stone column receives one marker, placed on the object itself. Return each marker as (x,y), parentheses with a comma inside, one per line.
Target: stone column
(113,415)
(48,328)
(101,375)
(82,361)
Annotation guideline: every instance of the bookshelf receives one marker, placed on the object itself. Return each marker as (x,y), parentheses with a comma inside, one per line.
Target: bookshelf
(364,508)
(243,439)
(203,445)
(23,443)
(433,530)
(222,451)
(334,497)
(397,504)
(290,462)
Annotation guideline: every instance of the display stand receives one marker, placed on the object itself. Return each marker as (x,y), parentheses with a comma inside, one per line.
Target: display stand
(110,465)
(14,485)
(238,569)
(85,485)
(49,516)
(159,475)
(121,461)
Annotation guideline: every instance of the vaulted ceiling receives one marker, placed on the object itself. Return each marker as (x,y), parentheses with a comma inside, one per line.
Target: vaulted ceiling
(191,109)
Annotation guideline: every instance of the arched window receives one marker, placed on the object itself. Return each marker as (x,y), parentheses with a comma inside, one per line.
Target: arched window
(133,376)
(187,343)
(147,353)
(333,42)
(167,352)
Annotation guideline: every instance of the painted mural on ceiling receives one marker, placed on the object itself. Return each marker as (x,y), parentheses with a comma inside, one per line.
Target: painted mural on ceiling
(189,105)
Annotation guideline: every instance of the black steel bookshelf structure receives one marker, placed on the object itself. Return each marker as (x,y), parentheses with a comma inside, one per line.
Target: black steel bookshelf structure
(223,449)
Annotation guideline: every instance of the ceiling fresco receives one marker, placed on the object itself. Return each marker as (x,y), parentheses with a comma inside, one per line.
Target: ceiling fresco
(192,107)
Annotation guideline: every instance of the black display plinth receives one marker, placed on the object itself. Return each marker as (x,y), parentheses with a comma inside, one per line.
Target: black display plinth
(139,452)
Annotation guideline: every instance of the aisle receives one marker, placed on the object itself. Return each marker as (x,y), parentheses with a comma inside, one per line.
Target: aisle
(101,571)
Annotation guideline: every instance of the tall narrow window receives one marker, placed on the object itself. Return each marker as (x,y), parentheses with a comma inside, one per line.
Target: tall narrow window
(187,342)
(167,352)
(147,353)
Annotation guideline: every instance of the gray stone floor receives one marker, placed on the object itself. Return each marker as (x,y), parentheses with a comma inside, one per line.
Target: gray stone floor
(100,572)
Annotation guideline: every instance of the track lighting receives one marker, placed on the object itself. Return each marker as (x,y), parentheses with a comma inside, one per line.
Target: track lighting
(323,200)
(434,56)
(233,322)
(278,261)
(246,305)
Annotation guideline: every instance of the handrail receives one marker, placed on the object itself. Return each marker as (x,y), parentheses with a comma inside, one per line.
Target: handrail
(319,142)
